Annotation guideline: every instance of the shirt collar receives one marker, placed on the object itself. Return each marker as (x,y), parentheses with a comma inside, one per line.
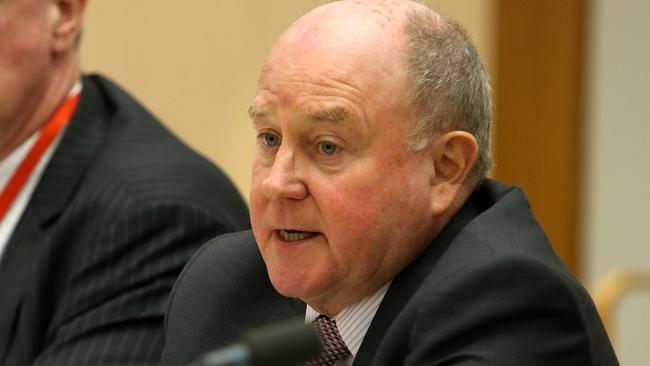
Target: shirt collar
(353,321)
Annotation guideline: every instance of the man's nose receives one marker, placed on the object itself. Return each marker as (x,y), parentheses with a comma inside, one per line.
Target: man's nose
(284,180)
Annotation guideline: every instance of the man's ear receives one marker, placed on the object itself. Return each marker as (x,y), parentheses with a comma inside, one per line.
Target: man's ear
(66,16)
(453,154)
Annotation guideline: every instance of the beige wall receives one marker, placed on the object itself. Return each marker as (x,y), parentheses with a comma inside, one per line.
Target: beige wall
(617,184)
(194,63)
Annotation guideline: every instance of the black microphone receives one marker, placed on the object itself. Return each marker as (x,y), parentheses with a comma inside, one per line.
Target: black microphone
(286,343)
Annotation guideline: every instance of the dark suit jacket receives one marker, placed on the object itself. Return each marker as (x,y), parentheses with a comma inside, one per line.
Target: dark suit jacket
(488,291)
(121,206)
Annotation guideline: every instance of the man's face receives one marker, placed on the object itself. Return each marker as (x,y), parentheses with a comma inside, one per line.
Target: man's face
(24,57)
(338,204)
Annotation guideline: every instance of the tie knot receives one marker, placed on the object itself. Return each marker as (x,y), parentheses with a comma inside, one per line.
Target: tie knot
(334,348)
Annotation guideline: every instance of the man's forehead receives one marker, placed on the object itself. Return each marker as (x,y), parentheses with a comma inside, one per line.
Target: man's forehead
(337,57)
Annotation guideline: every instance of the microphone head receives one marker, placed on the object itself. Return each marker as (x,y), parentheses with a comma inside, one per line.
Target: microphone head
(286,343)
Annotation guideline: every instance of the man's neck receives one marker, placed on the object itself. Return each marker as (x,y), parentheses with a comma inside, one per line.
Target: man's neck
(34,116)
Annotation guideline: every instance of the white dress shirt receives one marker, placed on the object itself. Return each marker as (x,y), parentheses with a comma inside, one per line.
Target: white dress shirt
(353,322)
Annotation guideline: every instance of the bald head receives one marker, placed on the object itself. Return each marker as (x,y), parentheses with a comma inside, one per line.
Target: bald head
(359,37)
(382,13)
(371,30)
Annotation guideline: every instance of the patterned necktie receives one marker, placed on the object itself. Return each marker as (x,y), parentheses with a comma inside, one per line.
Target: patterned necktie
(334,348)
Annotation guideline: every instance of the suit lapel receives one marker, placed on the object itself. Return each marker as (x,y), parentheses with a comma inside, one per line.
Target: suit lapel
(71,160)
(54,191)
(17,265)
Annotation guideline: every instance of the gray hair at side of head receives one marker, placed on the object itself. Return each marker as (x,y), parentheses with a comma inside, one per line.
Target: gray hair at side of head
(451,88)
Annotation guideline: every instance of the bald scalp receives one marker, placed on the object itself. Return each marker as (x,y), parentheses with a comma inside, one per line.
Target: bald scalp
(367,37)
(344,24)
(383,13)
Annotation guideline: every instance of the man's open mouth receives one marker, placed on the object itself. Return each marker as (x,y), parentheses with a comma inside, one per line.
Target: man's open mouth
(291,235)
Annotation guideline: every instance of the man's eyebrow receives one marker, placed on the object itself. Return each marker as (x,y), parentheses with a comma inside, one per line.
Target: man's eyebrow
(256,112)
(336,114)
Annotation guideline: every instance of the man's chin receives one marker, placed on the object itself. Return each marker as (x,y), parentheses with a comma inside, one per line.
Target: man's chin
(287,284)
(292,284)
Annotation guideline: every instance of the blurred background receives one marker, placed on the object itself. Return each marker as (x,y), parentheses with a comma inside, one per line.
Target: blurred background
(572,116)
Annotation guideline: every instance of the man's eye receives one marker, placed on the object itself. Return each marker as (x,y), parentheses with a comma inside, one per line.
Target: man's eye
(270,139)
(327,148)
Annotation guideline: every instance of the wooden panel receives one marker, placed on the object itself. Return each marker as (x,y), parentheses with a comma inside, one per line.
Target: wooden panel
(538,111)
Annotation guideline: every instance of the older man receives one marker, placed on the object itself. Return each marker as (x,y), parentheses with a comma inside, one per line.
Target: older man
(100,206)
(370,210)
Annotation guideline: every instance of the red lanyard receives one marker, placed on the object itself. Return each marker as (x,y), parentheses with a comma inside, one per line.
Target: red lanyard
(50,130)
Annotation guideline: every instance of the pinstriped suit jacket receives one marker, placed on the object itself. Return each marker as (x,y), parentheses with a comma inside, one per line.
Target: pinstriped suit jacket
(489,291)
(120,208)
